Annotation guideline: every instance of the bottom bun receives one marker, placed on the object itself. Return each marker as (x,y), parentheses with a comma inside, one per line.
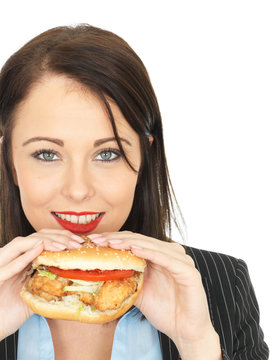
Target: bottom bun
(73,309)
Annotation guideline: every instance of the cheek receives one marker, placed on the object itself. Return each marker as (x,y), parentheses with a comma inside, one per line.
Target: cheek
(119,192)
(35,190)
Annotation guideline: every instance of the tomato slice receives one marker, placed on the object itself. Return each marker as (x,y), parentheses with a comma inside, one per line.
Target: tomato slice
(92,275)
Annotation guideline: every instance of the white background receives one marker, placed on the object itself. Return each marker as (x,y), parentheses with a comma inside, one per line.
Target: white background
(209,62)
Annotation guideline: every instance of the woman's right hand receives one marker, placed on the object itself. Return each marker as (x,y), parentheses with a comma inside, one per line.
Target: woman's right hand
(15,264)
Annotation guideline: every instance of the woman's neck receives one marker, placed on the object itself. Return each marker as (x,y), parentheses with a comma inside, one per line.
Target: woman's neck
(72,339)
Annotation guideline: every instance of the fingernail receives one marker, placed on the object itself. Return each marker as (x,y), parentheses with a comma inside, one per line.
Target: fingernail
(75,244)
(59,246)
(94,236)
(136,247)
(77,238)
(115,241)
(99,240)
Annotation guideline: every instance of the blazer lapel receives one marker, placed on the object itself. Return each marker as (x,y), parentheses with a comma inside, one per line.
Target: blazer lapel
(168,348)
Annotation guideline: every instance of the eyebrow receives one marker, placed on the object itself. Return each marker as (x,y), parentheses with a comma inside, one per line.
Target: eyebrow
(42,138)
(102,141)
(61,142)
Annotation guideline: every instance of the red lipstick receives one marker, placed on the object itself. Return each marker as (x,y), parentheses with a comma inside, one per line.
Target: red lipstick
(78,228)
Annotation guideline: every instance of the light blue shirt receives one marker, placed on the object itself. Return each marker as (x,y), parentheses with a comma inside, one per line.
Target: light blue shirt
(133,339)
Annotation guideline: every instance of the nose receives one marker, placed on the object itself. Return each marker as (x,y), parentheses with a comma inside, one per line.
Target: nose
(78,185)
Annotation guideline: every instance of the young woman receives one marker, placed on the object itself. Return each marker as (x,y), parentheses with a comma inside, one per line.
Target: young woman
(81,132)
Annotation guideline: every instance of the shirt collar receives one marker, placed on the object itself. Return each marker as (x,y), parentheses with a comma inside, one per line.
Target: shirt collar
(133,339)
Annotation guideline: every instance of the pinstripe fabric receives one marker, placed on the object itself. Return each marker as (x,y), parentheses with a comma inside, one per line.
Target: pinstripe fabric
(232,304)
(8,347)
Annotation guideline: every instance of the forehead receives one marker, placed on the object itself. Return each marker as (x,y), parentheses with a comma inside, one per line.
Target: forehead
(61,105)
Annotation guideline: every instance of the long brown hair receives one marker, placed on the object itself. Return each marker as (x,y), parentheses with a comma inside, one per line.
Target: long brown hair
(104,63)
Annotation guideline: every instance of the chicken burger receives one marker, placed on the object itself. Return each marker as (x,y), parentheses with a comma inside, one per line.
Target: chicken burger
(92,284)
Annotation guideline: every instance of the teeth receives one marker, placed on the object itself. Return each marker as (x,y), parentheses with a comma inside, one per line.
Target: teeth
(82,219)
(74,219)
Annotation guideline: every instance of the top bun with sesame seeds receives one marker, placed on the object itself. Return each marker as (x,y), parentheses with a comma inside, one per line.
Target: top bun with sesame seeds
(90,257)
(92,284)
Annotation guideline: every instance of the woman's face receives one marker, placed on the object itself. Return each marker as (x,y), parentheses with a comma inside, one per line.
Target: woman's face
(67,164)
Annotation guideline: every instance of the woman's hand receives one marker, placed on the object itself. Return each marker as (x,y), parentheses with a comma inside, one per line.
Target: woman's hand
(173,298)
(15,264)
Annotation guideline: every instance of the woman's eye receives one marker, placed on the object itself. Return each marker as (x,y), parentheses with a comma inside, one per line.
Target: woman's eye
(45,155)
(48,156)
(108,155)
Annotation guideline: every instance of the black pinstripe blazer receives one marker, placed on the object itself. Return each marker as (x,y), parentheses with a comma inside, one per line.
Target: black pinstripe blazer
(233,308)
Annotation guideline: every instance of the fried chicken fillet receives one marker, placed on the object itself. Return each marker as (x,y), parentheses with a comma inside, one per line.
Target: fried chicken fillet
(110,296)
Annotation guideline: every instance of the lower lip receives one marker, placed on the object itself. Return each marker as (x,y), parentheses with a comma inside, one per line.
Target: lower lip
(78,228)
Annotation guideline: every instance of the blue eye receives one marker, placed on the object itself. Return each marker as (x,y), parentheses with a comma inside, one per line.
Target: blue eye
(45,155)
(108,155)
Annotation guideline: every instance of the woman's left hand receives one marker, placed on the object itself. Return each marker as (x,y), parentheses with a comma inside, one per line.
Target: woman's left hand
(173,297)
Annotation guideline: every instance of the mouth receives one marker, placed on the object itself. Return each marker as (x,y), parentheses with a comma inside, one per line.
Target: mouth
(80,223)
